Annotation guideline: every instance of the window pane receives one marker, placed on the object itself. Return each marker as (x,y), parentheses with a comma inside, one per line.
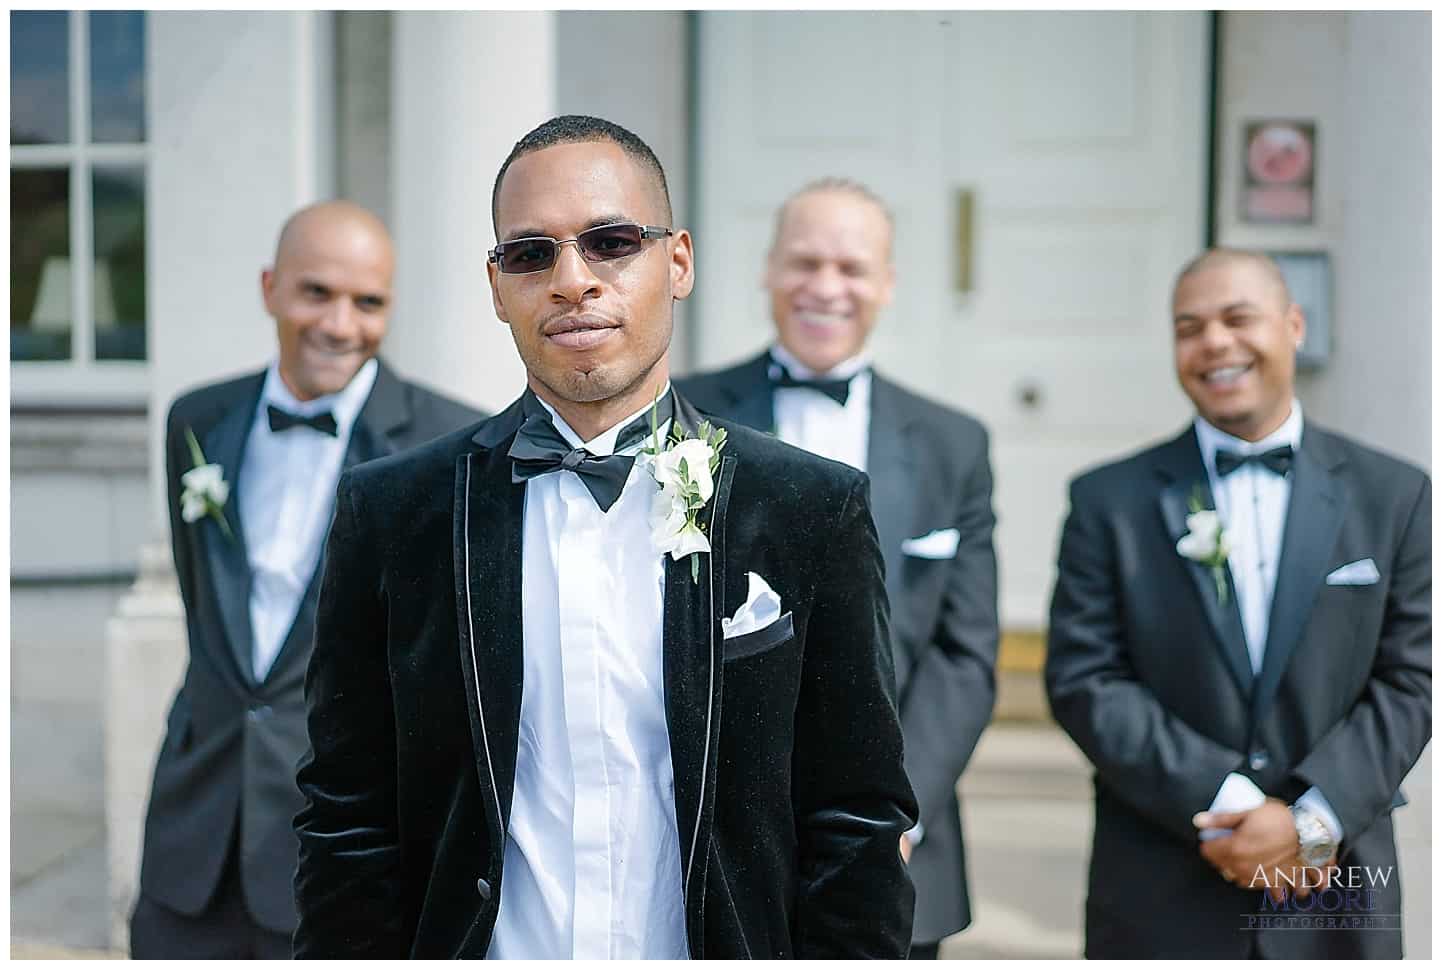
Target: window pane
(40,311)
(119,283)
(117,76)
(39,78)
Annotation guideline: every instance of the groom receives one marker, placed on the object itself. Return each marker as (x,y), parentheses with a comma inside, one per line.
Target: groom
(535,734)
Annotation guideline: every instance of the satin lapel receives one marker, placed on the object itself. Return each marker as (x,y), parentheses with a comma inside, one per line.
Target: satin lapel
(692,671)
(755,409)
(487,530)
(1225,620)
(367,443)
(891,465)
(1314,519)
(229,561)
(751,400)
(386,412)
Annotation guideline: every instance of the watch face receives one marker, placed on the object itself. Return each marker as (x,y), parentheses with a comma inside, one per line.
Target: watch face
(1318,853)
(1314,841)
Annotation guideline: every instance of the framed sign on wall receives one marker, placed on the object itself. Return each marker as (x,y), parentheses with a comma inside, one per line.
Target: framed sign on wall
(1279,172)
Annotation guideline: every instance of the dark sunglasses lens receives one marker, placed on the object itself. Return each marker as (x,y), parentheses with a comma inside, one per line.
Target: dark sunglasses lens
(527,255)
(610,242)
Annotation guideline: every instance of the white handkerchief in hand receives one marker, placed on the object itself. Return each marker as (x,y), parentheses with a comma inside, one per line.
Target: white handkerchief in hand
(761,609)
(1363,572)
(936,544)
(1237,794)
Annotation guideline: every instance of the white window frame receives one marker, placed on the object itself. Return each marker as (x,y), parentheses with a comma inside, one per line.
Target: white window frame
(83,380)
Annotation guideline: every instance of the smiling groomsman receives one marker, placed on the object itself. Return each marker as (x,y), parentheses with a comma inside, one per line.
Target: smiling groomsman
(247,532)
(1251,699)
(829,273)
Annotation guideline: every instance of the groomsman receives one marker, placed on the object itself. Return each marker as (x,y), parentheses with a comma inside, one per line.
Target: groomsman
(1251,701)
(219,853)
(569,699)
(829,272)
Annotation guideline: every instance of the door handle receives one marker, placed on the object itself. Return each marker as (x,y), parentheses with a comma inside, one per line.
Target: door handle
(965,240)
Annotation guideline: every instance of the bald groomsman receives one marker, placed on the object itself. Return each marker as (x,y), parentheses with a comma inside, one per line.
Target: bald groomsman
(247,534)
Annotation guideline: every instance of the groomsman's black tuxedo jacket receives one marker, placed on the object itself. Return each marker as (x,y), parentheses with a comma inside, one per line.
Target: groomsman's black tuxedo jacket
(790,792)
(929,470)
(231,744)
(1149,674)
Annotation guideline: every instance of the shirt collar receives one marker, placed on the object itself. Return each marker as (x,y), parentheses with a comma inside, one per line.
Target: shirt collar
(844,371)
(1210,438)
(605,442)
(345,404)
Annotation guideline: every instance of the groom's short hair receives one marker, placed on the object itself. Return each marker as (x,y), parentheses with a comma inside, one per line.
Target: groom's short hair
(573,129)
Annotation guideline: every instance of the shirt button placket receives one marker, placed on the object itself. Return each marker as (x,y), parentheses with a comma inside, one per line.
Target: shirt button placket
(580,575)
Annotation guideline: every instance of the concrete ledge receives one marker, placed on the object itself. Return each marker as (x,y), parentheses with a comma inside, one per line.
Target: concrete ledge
(24,950)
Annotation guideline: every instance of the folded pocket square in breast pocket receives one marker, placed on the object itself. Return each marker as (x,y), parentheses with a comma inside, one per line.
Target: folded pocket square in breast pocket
(937,544)
(758,641)
(1363,572)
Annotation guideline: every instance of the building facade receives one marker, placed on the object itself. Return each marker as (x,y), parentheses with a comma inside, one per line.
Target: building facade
(1049,173)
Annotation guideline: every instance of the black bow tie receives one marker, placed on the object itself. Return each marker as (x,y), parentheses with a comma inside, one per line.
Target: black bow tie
(1278,460)
(539,448)
(284,420)
(837,390)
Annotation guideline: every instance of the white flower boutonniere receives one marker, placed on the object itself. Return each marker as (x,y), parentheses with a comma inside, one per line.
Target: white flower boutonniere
(1206,543)
(684,467)
(205,488)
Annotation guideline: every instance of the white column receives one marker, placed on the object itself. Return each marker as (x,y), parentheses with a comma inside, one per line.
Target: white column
(241,113)
(144,661)
(241,108)
(465,88)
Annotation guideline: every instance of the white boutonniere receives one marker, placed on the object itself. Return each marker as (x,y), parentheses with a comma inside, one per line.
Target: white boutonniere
(205,489)
(1206,542)
(684,467)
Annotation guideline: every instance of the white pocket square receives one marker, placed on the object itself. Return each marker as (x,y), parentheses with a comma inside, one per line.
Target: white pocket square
(1363,572)
(761,609)
(936,544)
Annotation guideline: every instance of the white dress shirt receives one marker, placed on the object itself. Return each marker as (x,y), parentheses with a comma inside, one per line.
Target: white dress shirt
(809,419)
(286,492)
(593,857)
(1252,503)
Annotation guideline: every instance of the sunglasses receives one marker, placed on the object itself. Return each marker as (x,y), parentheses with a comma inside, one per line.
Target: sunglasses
(534,254)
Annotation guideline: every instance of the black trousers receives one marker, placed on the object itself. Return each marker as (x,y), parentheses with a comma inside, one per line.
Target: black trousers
(224,930)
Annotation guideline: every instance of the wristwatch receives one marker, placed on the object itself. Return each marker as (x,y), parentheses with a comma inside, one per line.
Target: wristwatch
(1315,843)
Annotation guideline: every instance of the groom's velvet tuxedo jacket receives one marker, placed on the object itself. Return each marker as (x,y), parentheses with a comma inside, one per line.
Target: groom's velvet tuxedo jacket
(1147,669)
(790,792)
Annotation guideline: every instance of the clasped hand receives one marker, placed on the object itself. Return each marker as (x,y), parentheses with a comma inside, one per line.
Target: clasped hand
(1261,852)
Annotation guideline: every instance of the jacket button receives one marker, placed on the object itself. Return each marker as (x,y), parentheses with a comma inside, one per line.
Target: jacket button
(1259,760)
(484,888)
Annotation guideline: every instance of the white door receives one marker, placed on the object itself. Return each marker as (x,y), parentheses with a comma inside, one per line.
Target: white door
(1079,139)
